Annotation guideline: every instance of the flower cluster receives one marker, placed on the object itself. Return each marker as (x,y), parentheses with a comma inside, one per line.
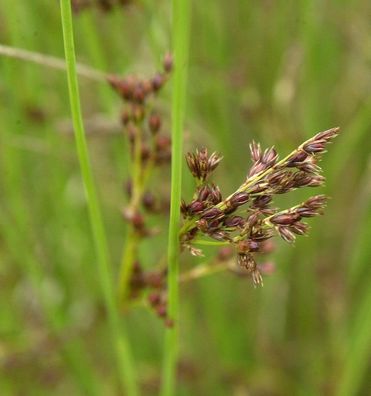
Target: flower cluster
(150,148)
(246,218)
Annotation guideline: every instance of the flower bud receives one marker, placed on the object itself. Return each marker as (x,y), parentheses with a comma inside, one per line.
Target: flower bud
(286,234)
(154,123)
(203,193)
(284,219)
(299,156)
(157,82)
(314,148)
(168,63)
(196,207)
(234,221)
(318,201)
(239,199)
(212,213)
(154,299)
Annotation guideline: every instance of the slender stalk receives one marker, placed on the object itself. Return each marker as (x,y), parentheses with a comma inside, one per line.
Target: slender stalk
(180,29)
(124,361)
(50,61)
(127,263)
(129,254)
(17,214)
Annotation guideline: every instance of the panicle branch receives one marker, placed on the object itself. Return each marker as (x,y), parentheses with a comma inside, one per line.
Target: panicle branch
(246,218)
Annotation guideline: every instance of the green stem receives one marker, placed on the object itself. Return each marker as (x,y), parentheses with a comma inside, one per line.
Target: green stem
(124,361)
(180,28)
(127,263)
(205,242)
(137,170)
(132,238)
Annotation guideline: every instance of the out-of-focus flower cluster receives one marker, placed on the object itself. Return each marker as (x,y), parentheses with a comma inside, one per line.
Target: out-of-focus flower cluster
(150,148)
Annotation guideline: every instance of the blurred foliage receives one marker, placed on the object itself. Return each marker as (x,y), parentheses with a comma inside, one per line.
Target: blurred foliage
(274,71)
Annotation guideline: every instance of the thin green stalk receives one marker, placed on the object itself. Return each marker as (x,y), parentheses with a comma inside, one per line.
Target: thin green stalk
(127,263)
(131,242)
(124,360)
(180,29)
(17,214)
(140,176)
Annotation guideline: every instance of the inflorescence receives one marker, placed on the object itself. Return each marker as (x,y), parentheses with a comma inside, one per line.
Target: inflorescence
(246,219)
(150,148)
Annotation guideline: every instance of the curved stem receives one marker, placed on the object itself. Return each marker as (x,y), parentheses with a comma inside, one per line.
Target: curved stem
(124,361)
(51,61)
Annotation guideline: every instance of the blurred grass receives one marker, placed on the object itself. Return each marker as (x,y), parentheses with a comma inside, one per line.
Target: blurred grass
(126,372)
(180,46)
(273,71)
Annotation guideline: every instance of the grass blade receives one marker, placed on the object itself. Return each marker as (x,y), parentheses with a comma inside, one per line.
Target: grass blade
(126,371)
(181,21)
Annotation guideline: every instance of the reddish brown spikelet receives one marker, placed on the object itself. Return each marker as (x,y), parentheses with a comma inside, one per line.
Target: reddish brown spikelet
(251,228)
(168,63)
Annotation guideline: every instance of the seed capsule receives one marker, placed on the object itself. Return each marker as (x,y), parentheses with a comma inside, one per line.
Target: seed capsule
(255,151)
(327,135)
(299,228)
(262,201)
(318,201)
(212,213)
(239,199)
(203,193)
(313,148)
(305,212)
(234,221)
(300,156)
(285,219)
(154,123)
(168,63)
(157,81)
(286,234)
(154,299)
(269,157)
(196,207)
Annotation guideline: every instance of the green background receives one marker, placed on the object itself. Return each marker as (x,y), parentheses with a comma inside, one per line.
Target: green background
(273,71)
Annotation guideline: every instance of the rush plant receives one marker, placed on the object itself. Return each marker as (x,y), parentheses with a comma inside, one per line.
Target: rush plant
(247,218)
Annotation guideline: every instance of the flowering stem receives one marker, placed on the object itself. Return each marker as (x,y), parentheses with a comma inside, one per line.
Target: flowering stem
(141,174)
(124,361)
(251,181)
(129,251)
(180,28)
